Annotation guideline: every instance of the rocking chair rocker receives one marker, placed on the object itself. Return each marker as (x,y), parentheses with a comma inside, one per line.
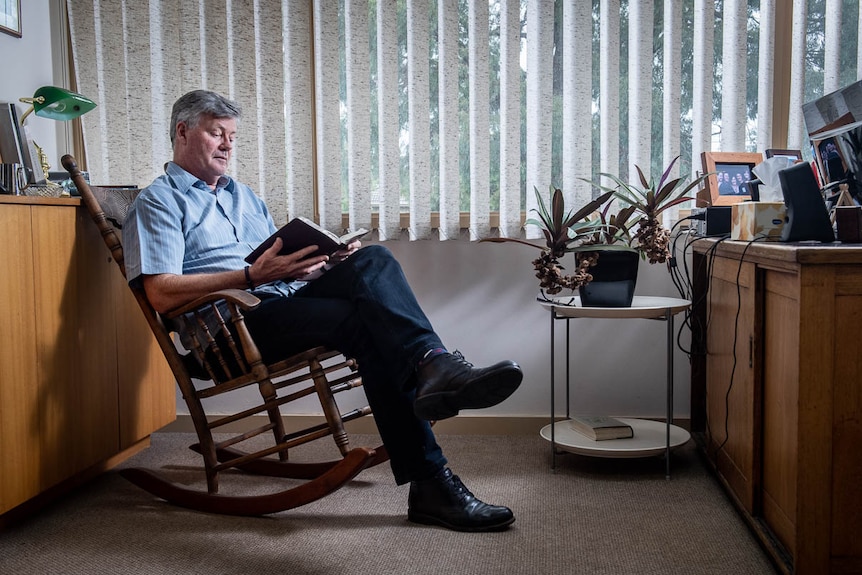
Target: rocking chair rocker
(226,363)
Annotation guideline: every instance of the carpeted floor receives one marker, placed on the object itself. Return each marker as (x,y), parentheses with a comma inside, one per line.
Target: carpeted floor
(591,516)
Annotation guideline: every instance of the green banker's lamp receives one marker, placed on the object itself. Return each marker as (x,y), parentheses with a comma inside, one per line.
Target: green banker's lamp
(57,104)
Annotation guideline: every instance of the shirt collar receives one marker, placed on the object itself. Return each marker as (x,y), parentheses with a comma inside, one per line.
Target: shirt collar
(184,180)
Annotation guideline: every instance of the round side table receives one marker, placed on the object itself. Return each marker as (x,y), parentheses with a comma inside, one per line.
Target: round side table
(648,438)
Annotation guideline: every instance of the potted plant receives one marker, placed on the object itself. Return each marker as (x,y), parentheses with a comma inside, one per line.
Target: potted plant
(561,229)
(607,243)
(636,230)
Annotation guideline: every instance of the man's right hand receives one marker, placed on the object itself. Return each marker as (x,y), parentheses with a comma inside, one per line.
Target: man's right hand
(271,266)
(169,291)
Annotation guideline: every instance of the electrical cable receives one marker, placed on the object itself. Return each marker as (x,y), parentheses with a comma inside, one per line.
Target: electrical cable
(680,282)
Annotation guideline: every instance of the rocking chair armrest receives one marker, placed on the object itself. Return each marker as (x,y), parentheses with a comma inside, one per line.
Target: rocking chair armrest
(241,298)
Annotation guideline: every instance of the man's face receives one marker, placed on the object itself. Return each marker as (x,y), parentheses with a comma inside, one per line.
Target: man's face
(204,150)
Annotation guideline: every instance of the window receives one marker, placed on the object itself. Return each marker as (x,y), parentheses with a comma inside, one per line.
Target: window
(444,114)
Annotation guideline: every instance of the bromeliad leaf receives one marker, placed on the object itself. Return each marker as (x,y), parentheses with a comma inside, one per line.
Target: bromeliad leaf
(643,206)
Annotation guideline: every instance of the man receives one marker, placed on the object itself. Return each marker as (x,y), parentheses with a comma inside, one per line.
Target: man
(724,187)
(187,235)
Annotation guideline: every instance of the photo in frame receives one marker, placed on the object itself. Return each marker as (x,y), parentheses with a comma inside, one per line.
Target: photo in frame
(729,174)
(829,157)
(10,17)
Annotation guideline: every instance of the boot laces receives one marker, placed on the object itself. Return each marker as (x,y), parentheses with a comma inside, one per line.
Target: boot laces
(460,489)
(459,357)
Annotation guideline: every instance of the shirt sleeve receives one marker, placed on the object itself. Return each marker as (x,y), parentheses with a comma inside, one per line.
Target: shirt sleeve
(153,237)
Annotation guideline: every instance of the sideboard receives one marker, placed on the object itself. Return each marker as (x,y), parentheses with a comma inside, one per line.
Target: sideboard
(82,381)
(777,393)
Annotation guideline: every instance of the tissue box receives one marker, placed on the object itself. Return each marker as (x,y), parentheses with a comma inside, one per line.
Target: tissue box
(752,220)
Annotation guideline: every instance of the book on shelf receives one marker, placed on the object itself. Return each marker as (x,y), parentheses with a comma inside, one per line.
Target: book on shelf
(300,233)
(601,427)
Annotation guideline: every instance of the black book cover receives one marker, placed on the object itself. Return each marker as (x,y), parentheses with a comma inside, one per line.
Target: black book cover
(300,233)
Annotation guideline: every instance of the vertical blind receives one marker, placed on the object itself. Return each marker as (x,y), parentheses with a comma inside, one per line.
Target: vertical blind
(322,82)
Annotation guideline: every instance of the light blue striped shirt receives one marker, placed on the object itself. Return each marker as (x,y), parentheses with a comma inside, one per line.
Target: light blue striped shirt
(178,225)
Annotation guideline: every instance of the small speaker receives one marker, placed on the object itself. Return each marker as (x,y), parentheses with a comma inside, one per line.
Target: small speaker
(807,217)
(718,220)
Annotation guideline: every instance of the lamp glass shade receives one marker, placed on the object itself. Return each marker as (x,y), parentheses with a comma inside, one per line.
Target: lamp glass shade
(59,104)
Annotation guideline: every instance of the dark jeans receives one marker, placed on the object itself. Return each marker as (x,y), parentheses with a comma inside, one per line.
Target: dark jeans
(364,308)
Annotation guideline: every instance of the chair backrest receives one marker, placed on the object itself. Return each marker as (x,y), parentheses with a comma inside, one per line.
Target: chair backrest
(107,222)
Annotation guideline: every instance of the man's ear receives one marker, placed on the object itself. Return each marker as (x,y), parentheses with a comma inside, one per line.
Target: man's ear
(182,130)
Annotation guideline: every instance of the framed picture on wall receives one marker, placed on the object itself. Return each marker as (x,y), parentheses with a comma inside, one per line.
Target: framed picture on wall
(729,174)
(10,17)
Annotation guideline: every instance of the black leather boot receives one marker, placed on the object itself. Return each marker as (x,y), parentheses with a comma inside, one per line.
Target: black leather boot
(448,383)
(444,500)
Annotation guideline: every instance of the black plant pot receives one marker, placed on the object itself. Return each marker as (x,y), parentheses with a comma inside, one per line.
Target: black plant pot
(614,279)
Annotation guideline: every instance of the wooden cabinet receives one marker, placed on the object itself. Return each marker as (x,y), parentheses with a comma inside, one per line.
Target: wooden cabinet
(82,382)
(777,394)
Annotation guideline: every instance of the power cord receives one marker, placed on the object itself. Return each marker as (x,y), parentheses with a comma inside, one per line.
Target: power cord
(687,291)
(681,278)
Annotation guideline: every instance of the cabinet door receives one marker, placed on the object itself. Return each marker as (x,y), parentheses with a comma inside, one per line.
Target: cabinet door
(19,389)
(781,331)
(77,365)
(847,434)
(731,398)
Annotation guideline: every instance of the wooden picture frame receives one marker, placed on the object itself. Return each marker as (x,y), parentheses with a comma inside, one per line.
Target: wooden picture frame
(10,17)
(728,166)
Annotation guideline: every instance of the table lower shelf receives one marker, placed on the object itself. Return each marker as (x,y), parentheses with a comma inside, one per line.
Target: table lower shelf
(650,438)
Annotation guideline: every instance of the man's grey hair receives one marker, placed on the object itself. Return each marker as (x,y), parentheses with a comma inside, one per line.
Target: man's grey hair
(194,105)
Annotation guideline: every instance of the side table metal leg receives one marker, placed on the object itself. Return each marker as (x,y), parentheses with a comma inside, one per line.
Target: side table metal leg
(568,368)
(669,420)
(553,377)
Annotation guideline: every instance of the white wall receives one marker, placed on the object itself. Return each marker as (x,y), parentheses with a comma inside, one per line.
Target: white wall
(26,64)
(479,297)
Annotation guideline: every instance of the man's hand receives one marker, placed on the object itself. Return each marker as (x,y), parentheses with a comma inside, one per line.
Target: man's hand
(342,255)
(297,265)
(169,291)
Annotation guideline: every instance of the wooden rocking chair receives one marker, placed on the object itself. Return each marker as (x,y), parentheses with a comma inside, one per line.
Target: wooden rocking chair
(226,364)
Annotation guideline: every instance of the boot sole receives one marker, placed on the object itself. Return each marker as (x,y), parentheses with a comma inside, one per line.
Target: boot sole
(431,520)
(477,394)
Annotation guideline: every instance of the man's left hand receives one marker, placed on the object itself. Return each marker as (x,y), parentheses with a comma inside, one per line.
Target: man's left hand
(342,255)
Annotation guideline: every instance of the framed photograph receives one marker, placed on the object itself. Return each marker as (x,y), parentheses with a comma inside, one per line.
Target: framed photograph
(10,17)
(829,159)
(729,172)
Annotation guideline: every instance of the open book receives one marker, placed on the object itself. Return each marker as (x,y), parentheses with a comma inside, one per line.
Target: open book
(300,233)
(601,427)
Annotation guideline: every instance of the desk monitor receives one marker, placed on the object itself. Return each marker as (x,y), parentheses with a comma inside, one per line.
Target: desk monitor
(807,217)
